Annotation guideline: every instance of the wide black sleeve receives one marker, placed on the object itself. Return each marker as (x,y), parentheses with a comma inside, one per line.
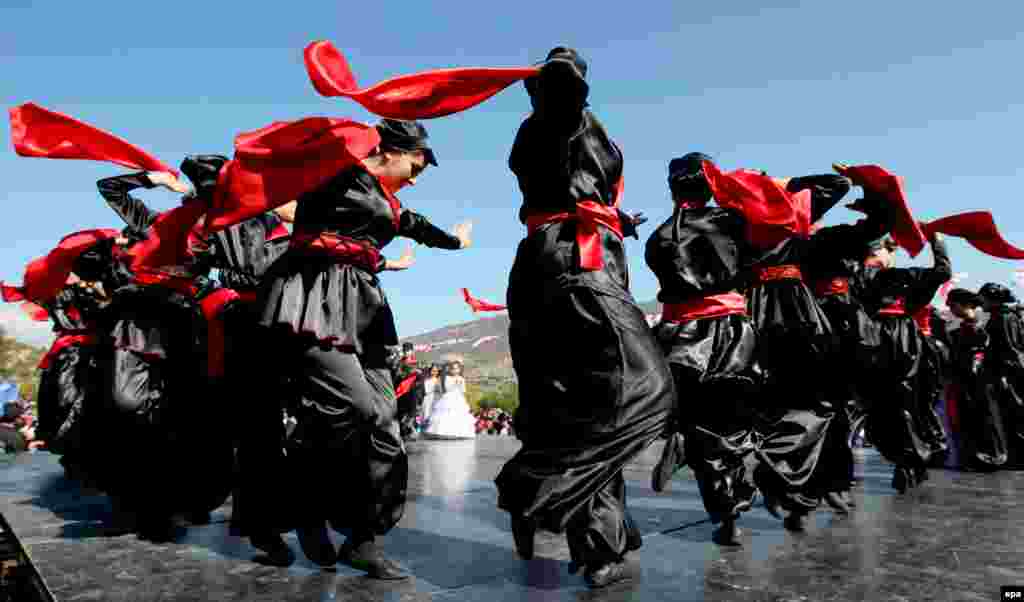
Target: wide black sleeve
(415,226)
(133,211)
(927,281)
(849,241)
(826,191)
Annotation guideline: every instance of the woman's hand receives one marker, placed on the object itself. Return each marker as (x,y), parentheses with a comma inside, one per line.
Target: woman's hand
(402,263)
(462,232)
(168,181)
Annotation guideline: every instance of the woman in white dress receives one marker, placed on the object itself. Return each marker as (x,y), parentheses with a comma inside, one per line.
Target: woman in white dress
(450,417)
(433,389)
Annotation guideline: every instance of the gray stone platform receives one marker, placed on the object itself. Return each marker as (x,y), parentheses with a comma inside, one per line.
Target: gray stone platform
(958,538)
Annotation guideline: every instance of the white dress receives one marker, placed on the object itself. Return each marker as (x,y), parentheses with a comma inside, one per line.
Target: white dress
(450,417)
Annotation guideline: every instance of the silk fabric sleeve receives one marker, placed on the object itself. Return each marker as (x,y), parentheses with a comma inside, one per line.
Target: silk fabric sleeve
(131,210)
(415,226)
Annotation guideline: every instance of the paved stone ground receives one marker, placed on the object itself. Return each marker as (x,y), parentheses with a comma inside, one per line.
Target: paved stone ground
(958,538)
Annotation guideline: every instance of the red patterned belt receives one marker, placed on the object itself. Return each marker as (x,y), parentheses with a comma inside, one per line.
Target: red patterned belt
(711,306)
(839,285)
(182,284)
(778,272)
(588,215)
(63,342)
(344,249)
(898,308)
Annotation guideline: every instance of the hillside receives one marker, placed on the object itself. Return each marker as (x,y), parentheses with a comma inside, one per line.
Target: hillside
(482,344)
(18,363)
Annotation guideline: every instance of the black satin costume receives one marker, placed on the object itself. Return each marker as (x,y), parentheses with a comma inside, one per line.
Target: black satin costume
(983,438)
(334,323)
(696,253)
(594,386)
(1004,373)
(67,390)
(253,387)
(897,423)
(835,256)
(160,399)
(801,457)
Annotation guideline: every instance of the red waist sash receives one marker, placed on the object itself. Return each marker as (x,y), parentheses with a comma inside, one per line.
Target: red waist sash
(342,248)
(778,272)
(588,215)
(63,342)
(182,284)
(922,318)
(899,308)
(839,285)
(711,306)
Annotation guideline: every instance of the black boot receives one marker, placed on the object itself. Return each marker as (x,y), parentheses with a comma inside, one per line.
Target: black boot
(277,551)
(523,530)
(672,458)
(368,557)
(316,544)
(796,522)
(727,534)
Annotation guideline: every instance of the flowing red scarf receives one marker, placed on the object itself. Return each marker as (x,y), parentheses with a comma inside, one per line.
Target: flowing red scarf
(417,96)
(45,276)
(905,229)
(39,132)
(772,213)
(478,305)
(979,230)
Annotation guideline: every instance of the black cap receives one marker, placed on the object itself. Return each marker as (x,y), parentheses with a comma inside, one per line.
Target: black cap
(561,61)
(407,136)
(406,347)
(962,296)
(687,167)
(997,293)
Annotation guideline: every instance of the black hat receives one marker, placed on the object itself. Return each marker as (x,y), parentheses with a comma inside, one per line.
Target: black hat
(203,171)
(559,62)
(962,296)
(406,347)
(407,136)
(687,167)
(886,242)
(997,293)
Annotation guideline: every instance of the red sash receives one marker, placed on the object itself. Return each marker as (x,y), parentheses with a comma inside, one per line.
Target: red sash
(711,306)
(588,215)
(342,248)
(839,285)
(63,342)
(778,272)
(899,308)
(922,318)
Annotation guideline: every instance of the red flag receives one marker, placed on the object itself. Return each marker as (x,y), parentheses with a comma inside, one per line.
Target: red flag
(417,96)
(277,164)
(45,276)
(905,229)
(479,305)
(39,132)
(979,230)
(773,214)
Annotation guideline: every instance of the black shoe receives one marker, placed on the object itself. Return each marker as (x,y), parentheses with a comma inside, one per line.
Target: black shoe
(369,558)
(523,530)
(727,534)
(607,574)
(199,518)
(672,457)
(277,551)
(920,474)
(160,530)
(316,545)
(796,522)
(835,500)
(900,482)
(773,506)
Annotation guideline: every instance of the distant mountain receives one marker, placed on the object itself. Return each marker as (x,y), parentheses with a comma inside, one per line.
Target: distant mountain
(482,345)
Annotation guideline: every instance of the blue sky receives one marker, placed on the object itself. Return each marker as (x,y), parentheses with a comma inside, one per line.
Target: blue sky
(788,87)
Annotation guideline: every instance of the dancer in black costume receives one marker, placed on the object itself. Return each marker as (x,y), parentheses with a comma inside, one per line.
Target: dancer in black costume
(933,376)
(67,378)
(595,389)
(983,437)
(801,457)
(892,295)
(697,256)
(834,259)
(327,304)
(1004,364)
(155,372)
